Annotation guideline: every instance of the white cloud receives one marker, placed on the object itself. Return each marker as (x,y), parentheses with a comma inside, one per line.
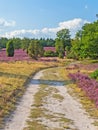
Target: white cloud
(73,25)
(5,23)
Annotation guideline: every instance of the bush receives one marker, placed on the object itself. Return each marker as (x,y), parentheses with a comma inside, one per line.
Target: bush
(94,75)
(61,55)
(10,48)
(50,54)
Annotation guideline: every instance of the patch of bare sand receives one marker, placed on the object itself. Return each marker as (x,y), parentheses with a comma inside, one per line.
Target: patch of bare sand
(71,109)
(17,121)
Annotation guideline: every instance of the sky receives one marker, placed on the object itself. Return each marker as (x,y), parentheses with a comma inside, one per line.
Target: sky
(44,18)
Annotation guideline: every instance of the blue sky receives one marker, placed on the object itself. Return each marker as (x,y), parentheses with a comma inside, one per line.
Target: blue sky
(43,18)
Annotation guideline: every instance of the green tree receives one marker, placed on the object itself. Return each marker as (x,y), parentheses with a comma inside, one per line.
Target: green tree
(47,42)
(10,48)
(59,48)
(64,36)
(3,42)
(16,43)
(63,42)
(86,42)
(35,50)
(90,39)
(25,44)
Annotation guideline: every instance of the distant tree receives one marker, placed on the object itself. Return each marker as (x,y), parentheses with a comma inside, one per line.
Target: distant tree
(59,48)
(25,43)
(3,42)
(10,48)
(64,36)
(16,43)
(47,42)
(63,42)
(35,49)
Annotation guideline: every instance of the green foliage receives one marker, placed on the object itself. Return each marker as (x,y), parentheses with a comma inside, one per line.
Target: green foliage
(94,75)
(61,55)
(47,42)
(3,42)
(63,42)
(16,43)
(50,54)
(35,49)
(10,48)
(59,48)
(25,44)
(85,44)
(64,35)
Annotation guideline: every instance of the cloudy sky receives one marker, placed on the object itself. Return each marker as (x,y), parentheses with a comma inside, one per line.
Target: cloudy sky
(43,18)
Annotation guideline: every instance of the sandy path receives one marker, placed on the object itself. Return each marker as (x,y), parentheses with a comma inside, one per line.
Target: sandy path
(68,107)
(75,112)
(17,121)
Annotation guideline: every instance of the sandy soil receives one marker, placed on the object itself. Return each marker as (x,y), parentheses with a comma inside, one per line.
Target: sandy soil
(17,121)
(68,108)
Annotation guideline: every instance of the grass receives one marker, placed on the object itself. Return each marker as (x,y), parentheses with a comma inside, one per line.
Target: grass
(14,77)
(34,125)
(58,96)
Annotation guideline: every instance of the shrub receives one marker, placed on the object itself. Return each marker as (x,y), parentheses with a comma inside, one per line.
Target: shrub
(50,54)
(10,48)
(94,75)
(61,55)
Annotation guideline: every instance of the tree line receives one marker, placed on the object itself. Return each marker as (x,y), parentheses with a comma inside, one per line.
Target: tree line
(83,45)
(24,43)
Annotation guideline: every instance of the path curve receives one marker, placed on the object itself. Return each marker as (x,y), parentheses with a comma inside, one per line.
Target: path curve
(17,121)
(69,106)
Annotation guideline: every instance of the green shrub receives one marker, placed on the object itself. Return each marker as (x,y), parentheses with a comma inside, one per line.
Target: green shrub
(10,48)
(50,54)
(61,55)
(94,75)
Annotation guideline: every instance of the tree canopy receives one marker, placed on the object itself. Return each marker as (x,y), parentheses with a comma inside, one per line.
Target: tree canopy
(62,41)
(85,44)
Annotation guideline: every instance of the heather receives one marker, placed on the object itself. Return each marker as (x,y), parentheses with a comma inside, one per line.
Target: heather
(88,66)
(19,55)
(88,85)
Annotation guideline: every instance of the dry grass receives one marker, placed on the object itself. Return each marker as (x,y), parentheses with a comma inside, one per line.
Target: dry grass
(58,97)
(13,81)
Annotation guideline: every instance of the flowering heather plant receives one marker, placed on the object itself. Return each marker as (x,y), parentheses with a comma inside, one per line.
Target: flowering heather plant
(90,86)
(19,55)
(92,66)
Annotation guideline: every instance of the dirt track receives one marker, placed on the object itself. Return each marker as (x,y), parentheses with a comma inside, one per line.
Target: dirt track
(59,104)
